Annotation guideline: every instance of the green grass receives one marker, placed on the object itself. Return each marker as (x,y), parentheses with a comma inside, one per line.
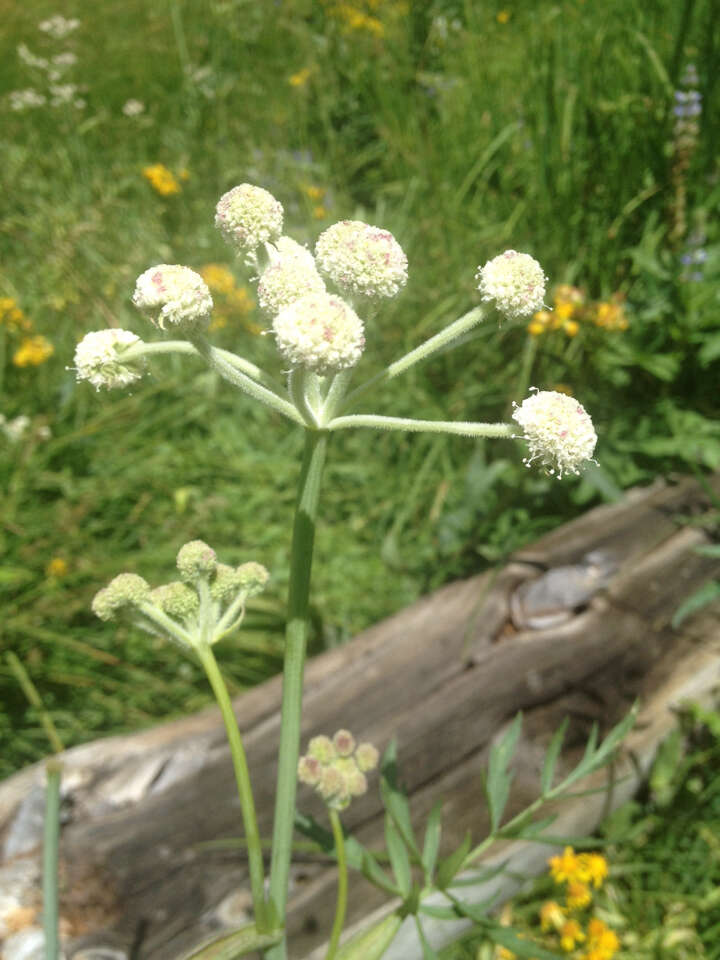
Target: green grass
(549,133)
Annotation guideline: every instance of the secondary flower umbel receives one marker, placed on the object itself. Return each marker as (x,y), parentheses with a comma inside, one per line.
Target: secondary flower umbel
(362,260)
(319,332)
(558,430)
(100,358)
(175,295)
(336,768)
(514,282)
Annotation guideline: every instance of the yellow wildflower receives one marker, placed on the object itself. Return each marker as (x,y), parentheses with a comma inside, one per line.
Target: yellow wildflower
(503,953)
(57,567)
(536,328)
(314,193)
(184,173)
(565,866)
(564,309)
(595,866)
(570,934)
(319,212)
(602,942)
(218,277)
(552,916)
(571,328)
(240,301)
(300,78)
(33,351)
(610,315)
(565,293)
(503,16)
(12,316)
(162,180)
(578,895)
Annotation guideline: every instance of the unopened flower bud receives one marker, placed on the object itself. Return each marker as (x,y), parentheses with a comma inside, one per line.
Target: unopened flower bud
(322,748)
(226,583)
(195,560)
(100,359)
(253,577)
(319,332)
(176,599)
(287,247)
(248,216)
(514,282)
(286,280)
(344,743)
(362,260)
(175,295)
(309,769)
(332,787)
(125,590)
(558,430)
(356,783)
(366,757)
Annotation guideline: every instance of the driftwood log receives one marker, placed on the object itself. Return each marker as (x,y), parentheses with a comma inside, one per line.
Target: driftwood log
(140,873)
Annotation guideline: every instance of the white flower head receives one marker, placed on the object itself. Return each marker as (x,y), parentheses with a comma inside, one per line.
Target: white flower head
(133,108)
(291,274)
(58,26)
(319,332)
(515,282)
(100,359)
(362,260)
(175,295)
(26,99)
(248,216)
(558,430)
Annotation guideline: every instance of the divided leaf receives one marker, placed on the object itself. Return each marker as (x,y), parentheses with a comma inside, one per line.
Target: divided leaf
(499,779)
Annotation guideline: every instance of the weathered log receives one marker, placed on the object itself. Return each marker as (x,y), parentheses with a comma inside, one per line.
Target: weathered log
(442,676)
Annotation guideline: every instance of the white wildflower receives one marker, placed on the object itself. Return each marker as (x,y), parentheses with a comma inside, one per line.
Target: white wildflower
(26,99)
(58,26)
(362,260)
(515,282)
(170,293)
(100,359)
(558,430)
(248,216)
(319,332)
(291,274)
(133,108)
(30,59)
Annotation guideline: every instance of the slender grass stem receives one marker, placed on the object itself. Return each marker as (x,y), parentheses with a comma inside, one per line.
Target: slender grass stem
(341,906)
(296,641)
(242,778)
(462,428)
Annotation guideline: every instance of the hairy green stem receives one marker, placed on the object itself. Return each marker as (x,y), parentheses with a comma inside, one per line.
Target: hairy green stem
(242,778)
(295,645)
(341,906)
(464,429)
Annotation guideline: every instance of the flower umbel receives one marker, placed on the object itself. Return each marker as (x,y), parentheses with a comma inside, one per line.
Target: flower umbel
(514,282)
(99,359)
(337,767)
(248,216)
(558,430)
(170,293)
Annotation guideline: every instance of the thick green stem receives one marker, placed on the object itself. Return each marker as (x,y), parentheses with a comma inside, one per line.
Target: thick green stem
(51,832)
(295,645)
(242,778)
(341,906)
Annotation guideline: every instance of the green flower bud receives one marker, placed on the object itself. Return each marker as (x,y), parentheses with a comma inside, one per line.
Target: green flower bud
(226,584)
(253,577)
(366,757)
(195,560)
(322,748)
(333,788)
(356,784)
(126,590)
(309,770)
(176,600)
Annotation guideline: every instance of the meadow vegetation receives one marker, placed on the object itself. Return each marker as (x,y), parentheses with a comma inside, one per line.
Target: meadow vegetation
(583,133)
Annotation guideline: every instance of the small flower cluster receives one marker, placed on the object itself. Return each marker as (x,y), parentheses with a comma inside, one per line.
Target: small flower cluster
(231,301)
(205,604)
(104,358)
(50,71)
(171,294)
(161,179)
(359,16)
(318,197)
(570,923)
(571,310)
(336,768)
(558,431)
(514,283)
(33,349)
(687,108)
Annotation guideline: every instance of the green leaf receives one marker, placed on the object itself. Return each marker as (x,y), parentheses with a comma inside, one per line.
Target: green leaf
(310,828)
(453,862)
(237,943)
(428,952)
(441,913)
(431,844)
(551,757)
(372,871)
(696,601)
(480,876)
(397,851)
(529,831)
(497,783)
(394,799)
(371,944)
(507,938)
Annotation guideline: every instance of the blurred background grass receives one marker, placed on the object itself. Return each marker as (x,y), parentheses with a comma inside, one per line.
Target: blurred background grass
(464,128)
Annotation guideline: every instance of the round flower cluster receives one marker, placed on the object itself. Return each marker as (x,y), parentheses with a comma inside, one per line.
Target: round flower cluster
(362,260)
(336,768)
(559,431)
(99,358)
(319,332)
(125,590)
(290,275)
(169,293)
(248,216)
(514,281)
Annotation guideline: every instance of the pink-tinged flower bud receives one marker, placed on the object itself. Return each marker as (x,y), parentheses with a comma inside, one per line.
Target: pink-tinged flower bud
(100,358)
(174,295)
(125,590)
(558,430)
(226,583)
(356,783)
(322,748)
(367,757)
(309,769)
(514,282)
(362,260)
(319,332)
(253,577)
(287,278)
(176,599)
(344,743)
(195,560)
(248,216)
(333,788)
